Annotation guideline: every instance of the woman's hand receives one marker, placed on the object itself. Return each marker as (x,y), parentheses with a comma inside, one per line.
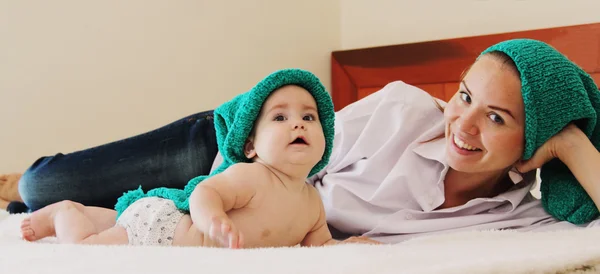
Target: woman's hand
(577,152)
(562,145)
(361,240)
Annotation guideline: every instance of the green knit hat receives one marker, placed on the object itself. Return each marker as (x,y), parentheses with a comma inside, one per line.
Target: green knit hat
(555,92)
(234,121)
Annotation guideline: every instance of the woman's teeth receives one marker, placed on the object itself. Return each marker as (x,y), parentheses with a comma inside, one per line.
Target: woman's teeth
(463,145)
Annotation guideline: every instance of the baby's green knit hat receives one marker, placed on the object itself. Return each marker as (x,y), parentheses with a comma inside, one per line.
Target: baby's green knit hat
(234,121)
(555,92)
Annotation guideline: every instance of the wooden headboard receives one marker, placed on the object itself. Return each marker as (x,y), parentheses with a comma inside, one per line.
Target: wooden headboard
(436,66)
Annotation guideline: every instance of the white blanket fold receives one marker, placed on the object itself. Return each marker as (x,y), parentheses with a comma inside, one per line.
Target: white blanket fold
(573,251)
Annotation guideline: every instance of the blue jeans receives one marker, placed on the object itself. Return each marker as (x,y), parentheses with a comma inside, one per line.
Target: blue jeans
(166,157)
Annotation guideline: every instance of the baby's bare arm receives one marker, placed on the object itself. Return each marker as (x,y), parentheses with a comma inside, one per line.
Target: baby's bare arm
(232,189)
(320,234)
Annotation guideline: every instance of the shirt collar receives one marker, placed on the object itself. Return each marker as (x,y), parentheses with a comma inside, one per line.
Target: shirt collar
(432,144)
(516,194)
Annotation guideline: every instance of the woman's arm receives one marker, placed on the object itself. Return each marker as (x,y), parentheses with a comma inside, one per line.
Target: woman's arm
(583,159)
(361,240)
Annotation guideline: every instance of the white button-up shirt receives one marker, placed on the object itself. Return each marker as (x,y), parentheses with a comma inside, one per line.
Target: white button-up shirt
(385,177)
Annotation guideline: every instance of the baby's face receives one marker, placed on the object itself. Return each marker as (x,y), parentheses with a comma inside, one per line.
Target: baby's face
(288,131)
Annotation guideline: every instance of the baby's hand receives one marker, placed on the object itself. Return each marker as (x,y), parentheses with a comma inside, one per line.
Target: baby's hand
(223,231)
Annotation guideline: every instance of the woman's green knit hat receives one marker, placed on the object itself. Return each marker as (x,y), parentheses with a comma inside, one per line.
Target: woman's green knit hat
(555,92)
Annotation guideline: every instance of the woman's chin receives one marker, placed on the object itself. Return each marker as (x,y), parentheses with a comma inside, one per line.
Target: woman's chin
(459,163)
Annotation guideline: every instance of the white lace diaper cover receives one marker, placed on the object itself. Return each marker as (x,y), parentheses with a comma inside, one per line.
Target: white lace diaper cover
(150,221)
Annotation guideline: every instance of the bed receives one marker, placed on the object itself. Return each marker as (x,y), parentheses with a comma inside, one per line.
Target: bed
(573,251)
(434,66)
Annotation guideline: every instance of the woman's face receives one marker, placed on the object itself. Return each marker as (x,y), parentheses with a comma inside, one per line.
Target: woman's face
(485,119)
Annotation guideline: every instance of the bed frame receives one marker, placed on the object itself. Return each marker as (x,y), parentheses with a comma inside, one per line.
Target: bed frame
(436,66)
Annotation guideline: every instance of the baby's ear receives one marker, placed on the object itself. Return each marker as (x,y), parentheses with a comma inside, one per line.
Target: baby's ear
(249,149)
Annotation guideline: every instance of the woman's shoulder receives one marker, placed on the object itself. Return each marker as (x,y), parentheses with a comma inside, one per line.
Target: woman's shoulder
(396,97)
(411,95)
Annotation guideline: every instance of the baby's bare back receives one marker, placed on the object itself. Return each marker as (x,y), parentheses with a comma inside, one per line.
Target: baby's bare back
(278,215)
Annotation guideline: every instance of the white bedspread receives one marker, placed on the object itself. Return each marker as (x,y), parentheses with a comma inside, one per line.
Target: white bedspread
(574,251)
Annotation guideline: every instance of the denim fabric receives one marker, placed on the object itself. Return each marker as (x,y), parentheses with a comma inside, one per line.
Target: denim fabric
(166,157)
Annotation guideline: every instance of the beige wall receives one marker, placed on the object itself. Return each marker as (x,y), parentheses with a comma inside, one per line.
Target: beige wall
(364,24)
(75,74)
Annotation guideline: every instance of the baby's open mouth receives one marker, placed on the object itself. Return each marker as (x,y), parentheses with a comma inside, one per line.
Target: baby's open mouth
(299,141)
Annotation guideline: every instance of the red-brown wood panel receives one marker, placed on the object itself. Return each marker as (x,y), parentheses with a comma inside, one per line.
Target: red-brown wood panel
(434,63)
(450,89)
(596,77)
(343,91)
(363,92)
(436,90)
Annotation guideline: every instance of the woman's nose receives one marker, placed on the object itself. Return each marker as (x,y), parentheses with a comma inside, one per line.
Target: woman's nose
(467,123)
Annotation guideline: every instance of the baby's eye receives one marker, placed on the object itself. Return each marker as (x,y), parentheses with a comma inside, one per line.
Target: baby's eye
(279,118)
(465,97)
(496,118)
(308,117)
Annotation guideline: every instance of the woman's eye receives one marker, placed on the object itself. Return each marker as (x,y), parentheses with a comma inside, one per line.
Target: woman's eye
(465,97)
(279,118)
(496,118)
(308,117)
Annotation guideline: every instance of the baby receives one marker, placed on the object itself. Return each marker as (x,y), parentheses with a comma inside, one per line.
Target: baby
(263,202)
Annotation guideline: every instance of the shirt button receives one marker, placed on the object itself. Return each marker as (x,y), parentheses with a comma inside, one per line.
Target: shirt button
(408,216)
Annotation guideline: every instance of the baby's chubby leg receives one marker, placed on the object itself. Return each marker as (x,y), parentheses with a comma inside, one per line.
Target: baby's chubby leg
(74,227)
(72,223)
(116,235)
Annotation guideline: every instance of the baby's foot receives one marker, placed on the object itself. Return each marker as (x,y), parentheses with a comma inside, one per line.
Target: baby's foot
(40,224)
(26,231)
